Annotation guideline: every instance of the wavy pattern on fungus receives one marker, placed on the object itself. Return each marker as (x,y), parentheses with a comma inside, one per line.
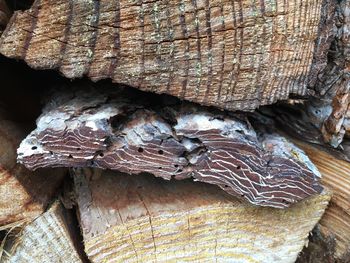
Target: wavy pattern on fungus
(182,141)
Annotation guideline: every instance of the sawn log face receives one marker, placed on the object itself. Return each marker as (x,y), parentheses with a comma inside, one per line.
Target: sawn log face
(141,219)
(106,130)
(235,55)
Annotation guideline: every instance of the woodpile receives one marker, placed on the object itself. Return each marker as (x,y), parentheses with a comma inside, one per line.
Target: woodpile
(201,131)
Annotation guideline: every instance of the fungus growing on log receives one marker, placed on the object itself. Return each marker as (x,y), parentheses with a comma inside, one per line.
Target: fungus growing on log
(93,128)
(235,55)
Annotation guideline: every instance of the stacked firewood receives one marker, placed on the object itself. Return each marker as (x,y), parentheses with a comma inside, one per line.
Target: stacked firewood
(175,131)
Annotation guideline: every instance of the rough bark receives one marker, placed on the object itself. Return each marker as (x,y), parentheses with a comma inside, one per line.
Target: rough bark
(143,219)
(24,194)
(235,55)
(336,177)
(47,239)
(113,131)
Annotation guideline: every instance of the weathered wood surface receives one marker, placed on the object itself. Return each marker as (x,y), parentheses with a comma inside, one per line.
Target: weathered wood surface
(4,15)
(48,239)
(336,177)
(24,194)
(231,54)
(325,117)
(114,131)
(144,219)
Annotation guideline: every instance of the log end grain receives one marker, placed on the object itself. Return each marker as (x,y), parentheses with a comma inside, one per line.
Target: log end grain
(336,177)
(47,239)
(141,218)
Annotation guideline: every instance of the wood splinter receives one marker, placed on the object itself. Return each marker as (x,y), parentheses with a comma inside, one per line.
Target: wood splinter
(105,130)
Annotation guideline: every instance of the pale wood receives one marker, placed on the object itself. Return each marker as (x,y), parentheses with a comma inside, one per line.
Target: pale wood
(143,219)
(48,239)
(336,177)
(113,130)
(231,54)
(24,194)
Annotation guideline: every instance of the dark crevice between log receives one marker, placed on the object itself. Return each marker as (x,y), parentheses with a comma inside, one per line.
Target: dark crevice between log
(321,248)
(22,89)
(67,197)
(5,14)
(19,4)
(120,129)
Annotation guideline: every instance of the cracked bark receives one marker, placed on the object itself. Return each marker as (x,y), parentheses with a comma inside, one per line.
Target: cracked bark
(234,55)
(142,219)
(110,129)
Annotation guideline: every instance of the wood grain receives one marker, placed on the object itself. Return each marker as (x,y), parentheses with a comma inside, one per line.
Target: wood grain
(24,194)
(235,55)
(143,219)
(49,238)
(111,130)
(336,177)
(325,117)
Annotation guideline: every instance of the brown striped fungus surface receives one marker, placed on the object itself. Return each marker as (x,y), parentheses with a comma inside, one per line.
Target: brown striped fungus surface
(235,55)
(90,128)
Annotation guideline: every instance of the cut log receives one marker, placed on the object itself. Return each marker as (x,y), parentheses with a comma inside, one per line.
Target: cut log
(24,194)
(325,117)
(49,238)
(235,55)
(336,177)
(106,130)
(144,219)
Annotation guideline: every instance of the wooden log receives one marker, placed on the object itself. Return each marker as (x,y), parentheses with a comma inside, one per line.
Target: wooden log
(49,238)
(325,117)
(336,177)
(24,194)
(110,130)
(235,55)
(143,219)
